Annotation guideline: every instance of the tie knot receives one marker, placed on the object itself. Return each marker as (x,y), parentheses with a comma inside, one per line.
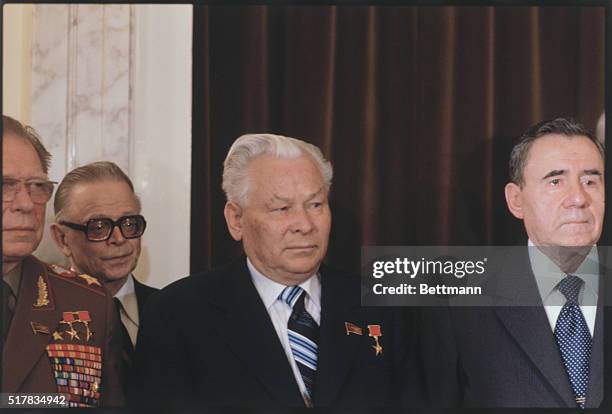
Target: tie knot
(570,287)
(290,295)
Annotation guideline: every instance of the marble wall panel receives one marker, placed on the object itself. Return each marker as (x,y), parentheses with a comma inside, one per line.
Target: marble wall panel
(102,89)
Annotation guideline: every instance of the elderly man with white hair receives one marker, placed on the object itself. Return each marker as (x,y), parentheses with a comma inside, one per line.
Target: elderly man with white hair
(276,328)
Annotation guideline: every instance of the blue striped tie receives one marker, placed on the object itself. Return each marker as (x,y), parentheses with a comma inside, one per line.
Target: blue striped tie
(303,334)
(574,339)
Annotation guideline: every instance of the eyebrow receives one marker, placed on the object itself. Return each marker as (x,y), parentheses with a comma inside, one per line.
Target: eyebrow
(310,197)
(104,216)
(593,171)
(29,178)
(555,173)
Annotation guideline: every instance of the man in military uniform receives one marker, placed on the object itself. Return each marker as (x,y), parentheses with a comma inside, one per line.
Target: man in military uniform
(60,333)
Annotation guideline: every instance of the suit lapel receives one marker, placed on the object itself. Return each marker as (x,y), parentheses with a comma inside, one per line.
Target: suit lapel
(142,294)
(246,326)
(530,327)
(337,350)
(22,344)
(596,372)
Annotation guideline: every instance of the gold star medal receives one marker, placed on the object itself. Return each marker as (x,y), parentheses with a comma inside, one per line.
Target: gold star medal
(375,332)
(85,318)
(69,319)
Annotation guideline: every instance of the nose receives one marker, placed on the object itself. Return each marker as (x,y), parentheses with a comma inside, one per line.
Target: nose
(577,195)
(116,236)
(302,222)
(23,200)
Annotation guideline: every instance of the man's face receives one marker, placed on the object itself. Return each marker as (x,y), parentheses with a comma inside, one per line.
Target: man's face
(563,197)
(285,224)
(22,220)
(111,259)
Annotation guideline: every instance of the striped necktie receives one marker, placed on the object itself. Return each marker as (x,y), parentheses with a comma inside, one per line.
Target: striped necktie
(574,339)
(303,334)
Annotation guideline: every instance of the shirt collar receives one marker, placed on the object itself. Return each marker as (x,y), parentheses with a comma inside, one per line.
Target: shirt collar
(548,275)
(13,278)
(269,290)
(127,297)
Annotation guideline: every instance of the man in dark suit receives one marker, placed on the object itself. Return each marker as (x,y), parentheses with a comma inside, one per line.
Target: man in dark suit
(60,333)
(98,226)
(276,328)
(542,344)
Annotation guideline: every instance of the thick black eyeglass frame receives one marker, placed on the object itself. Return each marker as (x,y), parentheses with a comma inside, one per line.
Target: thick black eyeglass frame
(114,223)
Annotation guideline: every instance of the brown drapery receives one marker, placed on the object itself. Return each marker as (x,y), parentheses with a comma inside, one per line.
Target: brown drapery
(416,107)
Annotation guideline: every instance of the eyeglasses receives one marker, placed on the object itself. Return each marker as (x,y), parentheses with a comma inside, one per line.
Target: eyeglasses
(100,229)
(40,191)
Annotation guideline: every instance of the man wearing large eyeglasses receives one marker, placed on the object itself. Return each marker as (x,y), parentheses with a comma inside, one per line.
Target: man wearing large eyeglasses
(98,226)
(59,331)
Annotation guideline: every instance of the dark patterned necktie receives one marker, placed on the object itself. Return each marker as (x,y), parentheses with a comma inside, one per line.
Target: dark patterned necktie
(126,342)
(303,334)
(574,339)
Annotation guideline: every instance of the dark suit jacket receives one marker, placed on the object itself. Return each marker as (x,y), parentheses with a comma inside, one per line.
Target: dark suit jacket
(207,340)
(503,356)
(46,292)
(143,292)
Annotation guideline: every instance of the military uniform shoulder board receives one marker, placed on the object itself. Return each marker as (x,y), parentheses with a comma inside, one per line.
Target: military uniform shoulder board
(81,279)
(61,271)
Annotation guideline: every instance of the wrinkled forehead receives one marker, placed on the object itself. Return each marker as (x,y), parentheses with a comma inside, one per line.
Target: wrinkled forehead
(268,174)
(104,197)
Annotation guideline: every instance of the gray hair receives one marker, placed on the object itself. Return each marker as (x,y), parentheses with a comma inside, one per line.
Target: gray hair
(567,127)
(249,146)
(28,134)
(89,173)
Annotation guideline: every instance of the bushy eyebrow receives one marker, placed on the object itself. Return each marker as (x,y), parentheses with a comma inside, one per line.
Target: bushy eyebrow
(556,173)
(593,171)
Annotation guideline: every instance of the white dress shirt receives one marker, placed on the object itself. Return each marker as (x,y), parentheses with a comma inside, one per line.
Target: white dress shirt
(548,275)
(129,308)
(280,312)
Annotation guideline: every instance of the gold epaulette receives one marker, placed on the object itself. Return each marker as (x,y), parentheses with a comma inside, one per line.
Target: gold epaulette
(82,279)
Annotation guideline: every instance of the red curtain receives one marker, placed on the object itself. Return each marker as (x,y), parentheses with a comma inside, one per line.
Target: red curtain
(416,107)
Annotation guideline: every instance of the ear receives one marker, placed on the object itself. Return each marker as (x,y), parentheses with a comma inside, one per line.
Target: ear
(514,199)
(59,237)
(233,218)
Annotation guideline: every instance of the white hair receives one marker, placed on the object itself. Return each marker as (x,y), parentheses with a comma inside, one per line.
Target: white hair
(249,146)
